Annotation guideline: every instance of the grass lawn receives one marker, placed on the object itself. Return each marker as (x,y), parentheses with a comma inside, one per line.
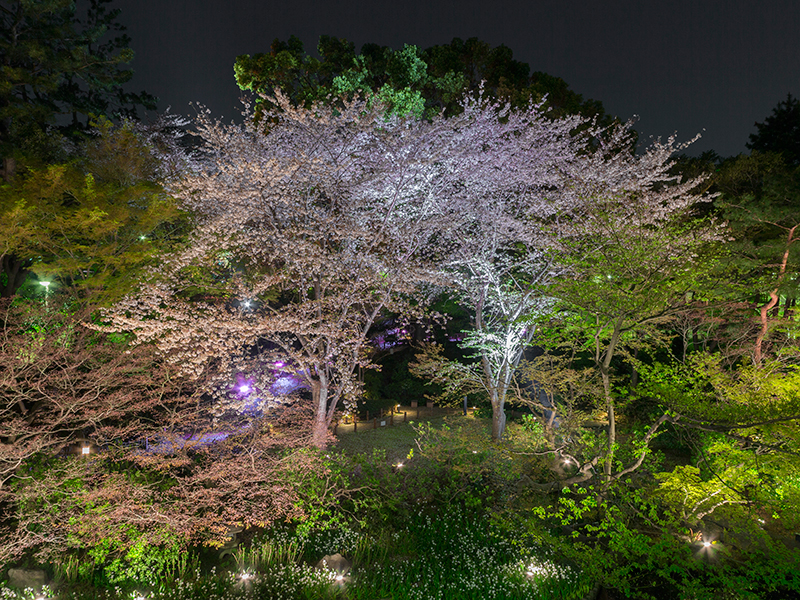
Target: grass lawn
(399,438)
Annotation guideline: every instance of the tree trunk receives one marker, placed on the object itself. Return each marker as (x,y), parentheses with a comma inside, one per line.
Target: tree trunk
(612,426)
(319,428)
(762,333)
(498,417)
(603,362)
(773,299)
(15,271)
(9,167)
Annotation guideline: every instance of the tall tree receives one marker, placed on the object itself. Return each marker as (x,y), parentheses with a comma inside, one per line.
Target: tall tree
(634,258)
(90,223)
(780,132)
(57,67)
(409,80)
(760,196)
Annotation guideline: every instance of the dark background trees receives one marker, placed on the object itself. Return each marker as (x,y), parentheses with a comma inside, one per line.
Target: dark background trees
(61,77)
(411,79)
(57,67)
(780,132)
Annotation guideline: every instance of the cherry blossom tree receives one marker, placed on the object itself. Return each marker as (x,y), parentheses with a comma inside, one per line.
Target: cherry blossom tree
(79,408)
(525,239)
(63,386)
(308,231)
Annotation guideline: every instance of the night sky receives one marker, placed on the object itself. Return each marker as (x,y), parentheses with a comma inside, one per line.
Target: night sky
(684,66)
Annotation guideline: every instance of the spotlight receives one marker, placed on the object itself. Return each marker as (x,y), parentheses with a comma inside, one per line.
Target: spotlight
(86,450)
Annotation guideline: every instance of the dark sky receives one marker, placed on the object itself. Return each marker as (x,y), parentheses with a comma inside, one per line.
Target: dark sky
(687,66)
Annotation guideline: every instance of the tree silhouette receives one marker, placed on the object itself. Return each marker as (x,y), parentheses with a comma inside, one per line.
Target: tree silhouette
(780,132)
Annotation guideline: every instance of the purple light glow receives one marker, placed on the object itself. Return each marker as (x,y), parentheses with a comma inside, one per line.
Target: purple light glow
(285,385)
(244,388)
(278,364)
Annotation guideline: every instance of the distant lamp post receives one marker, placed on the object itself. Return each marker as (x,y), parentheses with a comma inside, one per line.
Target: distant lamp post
(46,285)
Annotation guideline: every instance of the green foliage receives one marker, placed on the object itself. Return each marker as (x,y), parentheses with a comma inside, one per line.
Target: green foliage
(274,548)
(743,429)
(395,79)
(408,81)
(459,554)
(136,560)
(91,224)
(448,379)
(624,541)
(394,384)
(759,199)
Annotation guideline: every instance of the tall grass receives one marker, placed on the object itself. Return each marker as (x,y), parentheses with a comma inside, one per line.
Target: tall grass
(456,556)
(449,555)
(267,554)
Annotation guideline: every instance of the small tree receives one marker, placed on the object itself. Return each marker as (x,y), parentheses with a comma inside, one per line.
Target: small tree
(634,258)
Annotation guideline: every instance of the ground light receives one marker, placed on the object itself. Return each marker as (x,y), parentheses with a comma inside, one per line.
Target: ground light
(707,548)
(86,450)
